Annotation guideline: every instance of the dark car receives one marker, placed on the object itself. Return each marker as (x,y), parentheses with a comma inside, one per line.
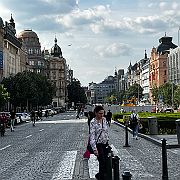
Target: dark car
(167,110)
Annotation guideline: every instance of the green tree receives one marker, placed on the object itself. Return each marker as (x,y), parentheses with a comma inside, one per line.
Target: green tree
(76,93)
(155,93)
(4,95)
(177,96)
(134,91)
(29,88)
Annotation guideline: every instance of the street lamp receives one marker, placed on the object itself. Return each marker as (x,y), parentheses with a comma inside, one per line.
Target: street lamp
(178,35)
(172,94)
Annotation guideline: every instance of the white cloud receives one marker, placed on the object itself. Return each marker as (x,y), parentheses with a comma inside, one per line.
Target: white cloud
(113,50)
(108,32)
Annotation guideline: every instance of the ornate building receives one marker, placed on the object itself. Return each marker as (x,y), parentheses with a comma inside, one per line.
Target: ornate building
(158,68)
(57,74)
(174,66)
(1,47)
(14,57)
(31,45)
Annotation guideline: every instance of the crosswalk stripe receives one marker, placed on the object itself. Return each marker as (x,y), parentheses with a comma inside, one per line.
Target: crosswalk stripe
(93,166)
(65,168)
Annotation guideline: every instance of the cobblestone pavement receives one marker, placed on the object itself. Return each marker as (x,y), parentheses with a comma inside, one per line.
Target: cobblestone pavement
(53,150)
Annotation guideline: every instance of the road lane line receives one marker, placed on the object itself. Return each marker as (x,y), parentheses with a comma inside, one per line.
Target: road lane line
(5,147)
(65,168)
(41,130)
(93,166)
(28,136)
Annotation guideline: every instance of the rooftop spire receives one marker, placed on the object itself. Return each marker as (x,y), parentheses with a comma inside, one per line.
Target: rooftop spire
(145,55)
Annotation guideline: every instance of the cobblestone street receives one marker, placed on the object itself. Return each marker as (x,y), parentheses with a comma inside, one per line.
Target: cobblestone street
(53,150)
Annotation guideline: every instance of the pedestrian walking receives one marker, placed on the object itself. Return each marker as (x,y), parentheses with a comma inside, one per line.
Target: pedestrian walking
(33,117)
(3,121)
(109,117)
(39,114)
(134,124)
(12,117)
(99,140)
(78,113)
(46,113)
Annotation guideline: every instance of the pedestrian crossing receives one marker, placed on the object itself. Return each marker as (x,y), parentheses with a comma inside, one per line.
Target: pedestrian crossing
(66,168)
(63,165)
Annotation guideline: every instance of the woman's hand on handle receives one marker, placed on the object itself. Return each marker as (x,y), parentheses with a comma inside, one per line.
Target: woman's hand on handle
(96,152)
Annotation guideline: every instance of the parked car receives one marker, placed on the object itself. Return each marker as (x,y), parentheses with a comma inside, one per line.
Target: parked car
(22,117)
(169,110)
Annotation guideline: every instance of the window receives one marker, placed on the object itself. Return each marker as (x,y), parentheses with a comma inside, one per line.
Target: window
(31,63)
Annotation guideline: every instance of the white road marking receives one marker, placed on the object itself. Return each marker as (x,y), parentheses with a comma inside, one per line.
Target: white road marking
(65,168)
(28,136)
(5,147)
(41,130)
(93,166)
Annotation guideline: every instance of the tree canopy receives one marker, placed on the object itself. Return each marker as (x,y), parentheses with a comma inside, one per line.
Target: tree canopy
(4,95)
(169,94)
(76,93)
(29,88)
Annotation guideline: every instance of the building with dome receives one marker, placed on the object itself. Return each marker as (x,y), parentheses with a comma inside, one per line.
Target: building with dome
(31,44)
(57,73)
(158,67)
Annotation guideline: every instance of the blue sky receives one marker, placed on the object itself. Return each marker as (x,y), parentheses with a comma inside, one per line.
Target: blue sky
(104,33)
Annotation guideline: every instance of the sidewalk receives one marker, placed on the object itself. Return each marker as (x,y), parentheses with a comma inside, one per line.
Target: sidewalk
(144,156)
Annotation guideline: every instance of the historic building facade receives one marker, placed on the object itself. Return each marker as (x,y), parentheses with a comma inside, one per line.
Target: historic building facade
(174,66)
(1,47)
(56,72)
(158,67)
(12,57)
(32,46)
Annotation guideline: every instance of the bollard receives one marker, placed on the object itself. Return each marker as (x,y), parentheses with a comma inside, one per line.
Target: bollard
(126,175)
(109,165)
(164,160)
(116,167)
(126,137)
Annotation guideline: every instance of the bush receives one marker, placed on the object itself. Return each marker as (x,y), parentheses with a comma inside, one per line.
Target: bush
(166,121)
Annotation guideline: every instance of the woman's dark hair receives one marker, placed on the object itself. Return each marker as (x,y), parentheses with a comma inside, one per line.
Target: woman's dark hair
(98,108)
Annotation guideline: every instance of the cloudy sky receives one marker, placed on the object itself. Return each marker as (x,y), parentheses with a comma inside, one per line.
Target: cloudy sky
(97,36)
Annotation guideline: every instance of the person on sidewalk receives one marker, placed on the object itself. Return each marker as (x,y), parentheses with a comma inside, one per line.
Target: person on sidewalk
(109,117)
(99,140)
(3,121)
(12,117)
(33,117)
(134,124)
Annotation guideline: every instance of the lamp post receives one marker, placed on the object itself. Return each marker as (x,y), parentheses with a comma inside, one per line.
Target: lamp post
(178,35)
(172,95)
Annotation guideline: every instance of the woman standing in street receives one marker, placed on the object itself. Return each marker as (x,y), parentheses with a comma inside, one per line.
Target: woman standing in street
(99,140)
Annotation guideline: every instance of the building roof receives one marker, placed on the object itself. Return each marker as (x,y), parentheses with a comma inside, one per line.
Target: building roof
(56,50)
(165,44)
(27,33)
(1,23)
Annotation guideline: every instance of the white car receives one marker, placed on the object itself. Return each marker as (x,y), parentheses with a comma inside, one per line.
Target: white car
(22,117)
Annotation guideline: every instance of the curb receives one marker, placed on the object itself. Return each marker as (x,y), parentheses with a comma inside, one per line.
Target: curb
(151,139)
